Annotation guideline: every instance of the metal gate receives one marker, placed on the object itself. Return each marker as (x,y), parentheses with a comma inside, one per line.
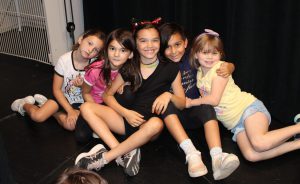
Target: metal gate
(23,29)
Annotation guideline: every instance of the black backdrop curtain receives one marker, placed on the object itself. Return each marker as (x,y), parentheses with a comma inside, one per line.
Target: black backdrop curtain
(261,37)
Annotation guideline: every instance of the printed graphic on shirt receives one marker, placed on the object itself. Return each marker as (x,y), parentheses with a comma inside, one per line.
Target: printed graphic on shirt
(73,92)
(188,80)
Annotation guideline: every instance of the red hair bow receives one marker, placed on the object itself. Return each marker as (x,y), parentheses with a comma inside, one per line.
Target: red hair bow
(155,22)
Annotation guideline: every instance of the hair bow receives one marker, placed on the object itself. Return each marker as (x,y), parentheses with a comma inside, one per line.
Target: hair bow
(135,23)
(211,32)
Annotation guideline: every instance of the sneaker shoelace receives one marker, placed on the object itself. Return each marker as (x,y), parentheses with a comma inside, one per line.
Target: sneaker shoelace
(120,161)
(95,162)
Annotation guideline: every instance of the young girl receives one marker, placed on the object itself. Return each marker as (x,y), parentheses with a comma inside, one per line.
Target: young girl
(239,111)
(80,176)
(174,44)
(67,81)
(153,98)
(119,49)
(100,74)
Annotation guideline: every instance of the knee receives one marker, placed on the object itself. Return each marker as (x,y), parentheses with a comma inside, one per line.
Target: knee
(37,117)
(251,156)
(85,107)
(154,127)
(53,104)
(259,144)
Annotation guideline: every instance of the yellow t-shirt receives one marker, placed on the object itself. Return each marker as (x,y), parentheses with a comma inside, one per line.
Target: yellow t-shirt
(233,102)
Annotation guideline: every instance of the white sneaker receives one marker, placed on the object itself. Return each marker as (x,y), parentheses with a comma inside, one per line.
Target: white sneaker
(18,104)
(225,165)
(40,99)
(196,167)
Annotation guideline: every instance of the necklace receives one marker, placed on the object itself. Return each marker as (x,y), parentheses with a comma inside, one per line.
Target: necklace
(150,65)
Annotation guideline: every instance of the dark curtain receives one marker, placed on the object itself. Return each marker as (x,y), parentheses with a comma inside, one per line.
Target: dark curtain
(261,37)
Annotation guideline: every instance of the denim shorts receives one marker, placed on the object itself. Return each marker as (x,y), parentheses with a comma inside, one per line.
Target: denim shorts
(256,106)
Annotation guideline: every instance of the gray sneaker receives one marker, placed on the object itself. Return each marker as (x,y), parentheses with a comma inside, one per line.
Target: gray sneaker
(225,165)
(92,160)
(297,120)
(132,162)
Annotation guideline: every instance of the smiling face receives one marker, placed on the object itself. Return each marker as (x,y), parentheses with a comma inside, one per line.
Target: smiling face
(208,56)
(148,43)
(176,47)
(90,46)
(117,54)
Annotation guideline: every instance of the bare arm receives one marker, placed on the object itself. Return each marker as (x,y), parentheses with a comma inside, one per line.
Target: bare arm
(214,98)
(226,69)
(108,95)
(58,94)
(72,114)
(178,97)
(133,118)
(86,93)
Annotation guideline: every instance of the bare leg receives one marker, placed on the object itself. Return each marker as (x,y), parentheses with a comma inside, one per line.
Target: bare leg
(61,118)
(102,120)
(40,114)
(175,128)
(212,134)
(251,155)
(196,167)
(261,139)
(146,132)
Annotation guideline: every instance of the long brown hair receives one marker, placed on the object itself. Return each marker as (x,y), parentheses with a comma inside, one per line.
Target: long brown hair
(124,38)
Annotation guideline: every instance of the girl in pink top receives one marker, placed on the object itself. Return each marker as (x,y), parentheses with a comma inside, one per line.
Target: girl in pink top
(101,73)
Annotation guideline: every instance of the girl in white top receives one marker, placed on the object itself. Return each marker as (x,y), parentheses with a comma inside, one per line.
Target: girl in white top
(239,111)
(67,81)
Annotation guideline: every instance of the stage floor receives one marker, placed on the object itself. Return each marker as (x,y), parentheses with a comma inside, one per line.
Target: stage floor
(37,153)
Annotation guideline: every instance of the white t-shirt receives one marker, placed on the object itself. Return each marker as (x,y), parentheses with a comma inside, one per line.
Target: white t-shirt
(66,69)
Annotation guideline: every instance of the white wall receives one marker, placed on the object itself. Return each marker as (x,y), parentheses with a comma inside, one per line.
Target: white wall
(59,39)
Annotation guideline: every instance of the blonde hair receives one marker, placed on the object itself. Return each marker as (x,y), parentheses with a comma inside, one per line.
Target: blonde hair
(76,175)
(204,39)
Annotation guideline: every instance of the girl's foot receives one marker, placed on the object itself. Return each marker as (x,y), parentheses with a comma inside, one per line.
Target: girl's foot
(196,167)
(40,99)
(18,104)
(224,165)
(92,160)
(297,120)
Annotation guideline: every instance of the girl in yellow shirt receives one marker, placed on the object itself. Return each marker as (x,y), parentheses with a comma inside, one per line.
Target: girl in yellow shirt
(239,111)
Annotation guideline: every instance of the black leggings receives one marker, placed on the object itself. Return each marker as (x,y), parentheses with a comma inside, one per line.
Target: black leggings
(196,116)
(83,132)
